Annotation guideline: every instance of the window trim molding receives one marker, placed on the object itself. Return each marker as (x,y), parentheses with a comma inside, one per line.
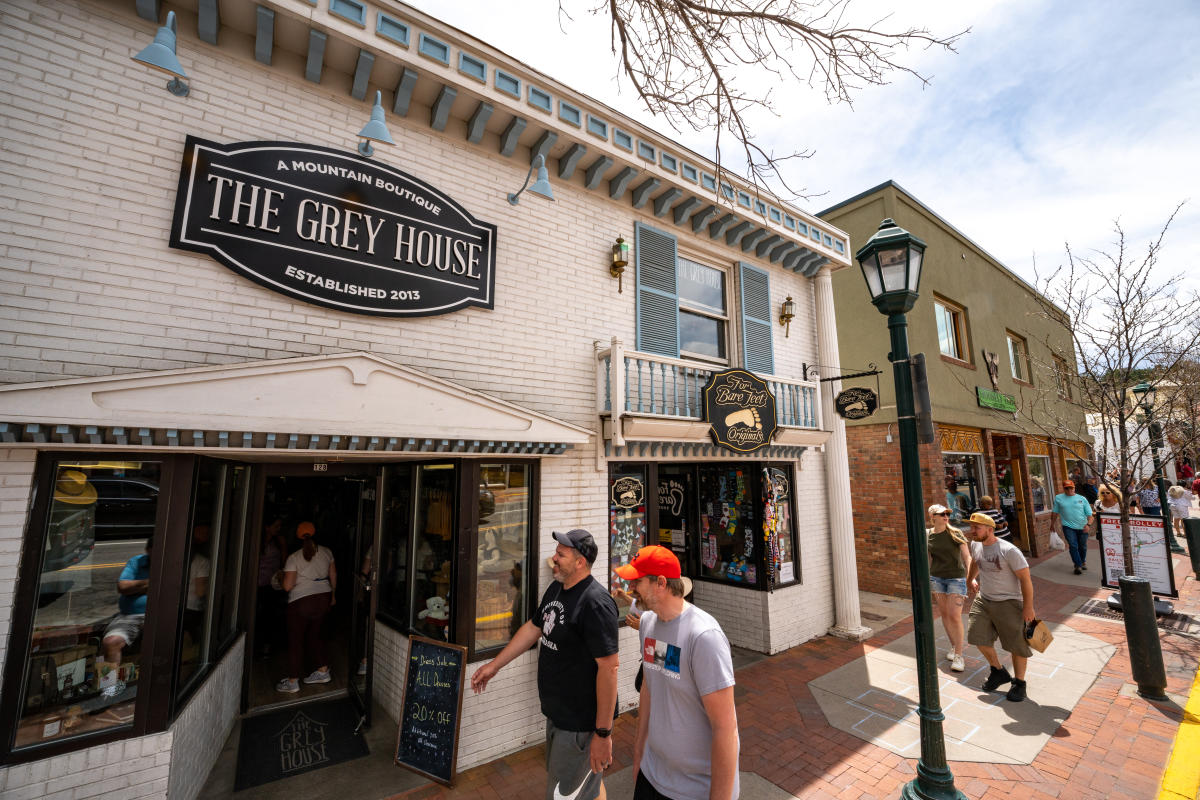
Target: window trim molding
(962,331)
(682,305)
(1026,378)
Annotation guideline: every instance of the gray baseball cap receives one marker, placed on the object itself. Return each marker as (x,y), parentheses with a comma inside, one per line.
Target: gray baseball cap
(578,539)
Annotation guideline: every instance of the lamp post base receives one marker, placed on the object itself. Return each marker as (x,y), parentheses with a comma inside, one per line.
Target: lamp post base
(931,788)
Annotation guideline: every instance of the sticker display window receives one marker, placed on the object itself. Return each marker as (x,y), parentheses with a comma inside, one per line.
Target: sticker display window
(729,527)
(627,524)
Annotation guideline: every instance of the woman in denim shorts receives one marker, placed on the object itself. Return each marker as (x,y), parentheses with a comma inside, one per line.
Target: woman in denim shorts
(948,560)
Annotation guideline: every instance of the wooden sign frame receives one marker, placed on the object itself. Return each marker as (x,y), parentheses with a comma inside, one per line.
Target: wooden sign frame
(462,675)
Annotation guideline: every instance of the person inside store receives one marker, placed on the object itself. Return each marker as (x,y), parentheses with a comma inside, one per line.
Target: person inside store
(270,609)
(126,627)
(948,561)
(310,579)
(1071,517)
(687,737)
(999,578)
(988,506)
(576,625)
(199,568)
(1086,487)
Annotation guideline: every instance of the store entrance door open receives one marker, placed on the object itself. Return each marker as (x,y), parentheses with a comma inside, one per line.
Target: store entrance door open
(341,508)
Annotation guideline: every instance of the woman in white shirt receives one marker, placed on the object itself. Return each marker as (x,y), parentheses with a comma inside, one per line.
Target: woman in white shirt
(1109,501)
(309,578)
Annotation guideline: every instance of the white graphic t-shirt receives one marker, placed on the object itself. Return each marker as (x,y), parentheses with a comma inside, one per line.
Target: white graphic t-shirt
(682,660)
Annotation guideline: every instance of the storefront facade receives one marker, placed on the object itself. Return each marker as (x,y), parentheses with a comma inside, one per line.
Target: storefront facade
(1007,423)
(220,321)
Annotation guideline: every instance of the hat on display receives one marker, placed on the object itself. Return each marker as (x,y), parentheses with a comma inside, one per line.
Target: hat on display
(651,560)
(578,539)
(305,530)
(980,518)
(937,508)
(72,487)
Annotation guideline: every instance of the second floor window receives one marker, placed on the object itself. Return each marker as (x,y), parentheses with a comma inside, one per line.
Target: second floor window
(1018,357)
(951,328)
(1062,378)
(702,310)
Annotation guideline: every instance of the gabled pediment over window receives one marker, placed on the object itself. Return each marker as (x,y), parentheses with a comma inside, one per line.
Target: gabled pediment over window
(354,401)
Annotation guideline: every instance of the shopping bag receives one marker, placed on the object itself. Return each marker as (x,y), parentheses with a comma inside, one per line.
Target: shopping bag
(1056,542)
(1038,635)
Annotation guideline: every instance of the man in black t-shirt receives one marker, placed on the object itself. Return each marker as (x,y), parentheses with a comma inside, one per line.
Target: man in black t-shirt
(576,625)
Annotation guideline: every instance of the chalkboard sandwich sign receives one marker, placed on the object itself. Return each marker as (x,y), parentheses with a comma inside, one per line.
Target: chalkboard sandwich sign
(431,709)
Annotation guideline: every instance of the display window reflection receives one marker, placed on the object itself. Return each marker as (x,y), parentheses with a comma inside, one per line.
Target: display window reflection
(502,577)
(433,551)
(85,656)
(1039,481)
(729,526)
(627,525)
(963,483)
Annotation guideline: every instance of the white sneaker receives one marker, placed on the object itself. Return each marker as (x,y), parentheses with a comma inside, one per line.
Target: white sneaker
(318,676)
(288,685)
(957,664)
(951,655)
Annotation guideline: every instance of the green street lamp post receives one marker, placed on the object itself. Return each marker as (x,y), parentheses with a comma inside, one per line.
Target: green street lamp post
(891,265)
(1145,395)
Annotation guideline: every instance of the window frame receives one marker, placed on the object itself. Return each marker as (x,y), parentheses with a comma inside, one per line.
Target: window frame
(1015,340)
(1062,378)
(683,306)
(962,336)
(154,709)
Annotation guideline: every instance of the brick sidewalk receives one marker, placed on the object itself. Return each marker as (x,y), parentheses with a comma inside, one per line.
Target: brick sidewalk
(1113,745)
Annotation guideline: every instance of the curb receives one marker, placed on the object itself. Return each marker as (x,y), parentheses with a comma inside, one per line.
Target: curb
(1181,780)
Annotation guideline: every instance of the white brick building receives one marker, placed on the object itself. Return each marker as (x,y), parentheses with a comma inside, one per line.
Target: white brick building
(151,391)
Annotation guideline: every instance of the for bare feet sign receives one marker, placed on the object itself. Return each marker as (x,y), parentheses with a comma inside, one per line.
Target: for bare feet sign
(740,409)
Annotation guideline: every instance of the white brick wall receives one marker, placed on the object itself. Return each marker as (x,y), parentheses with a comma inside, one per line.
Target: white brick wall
(130,769)
(200,731)
(89,162)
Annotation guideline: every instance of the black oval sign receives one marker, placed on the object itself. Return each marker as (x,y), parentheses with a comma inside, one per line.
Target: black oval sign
(431,708)
(856,403)
(740,409)
(332,228)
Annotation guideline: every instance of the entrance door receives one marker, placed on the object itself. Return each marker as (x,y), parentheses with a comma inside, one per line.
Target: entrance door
(340,503)
(1011,484)
(362,611)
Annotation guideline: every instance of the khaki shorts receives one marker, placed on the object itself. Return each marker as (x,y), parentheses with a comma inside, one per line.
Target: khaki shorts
(998,618)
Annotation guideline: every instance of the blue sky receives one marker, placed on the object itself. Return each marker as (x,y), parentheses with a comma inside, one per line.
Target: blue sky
(1052,120)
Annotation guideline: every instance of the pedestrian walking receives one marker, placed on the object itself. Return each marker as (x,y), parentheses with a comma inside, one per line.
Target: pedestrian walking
(1071,516)
(948,559)
(686,746)
(1003,605)
(1149,500)
(576,627)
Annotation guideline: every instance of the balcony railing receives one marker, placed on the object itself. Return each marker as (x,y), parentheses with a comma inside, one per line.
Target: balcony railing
(658,386)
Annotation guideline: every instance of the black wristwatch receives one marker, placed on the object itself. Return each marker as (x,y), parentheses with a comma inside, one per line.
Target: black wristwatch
(604,733)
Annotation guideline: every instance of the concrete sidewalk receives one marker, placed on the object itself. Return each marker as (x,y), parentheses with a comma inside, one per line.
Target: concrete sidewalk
(833,719)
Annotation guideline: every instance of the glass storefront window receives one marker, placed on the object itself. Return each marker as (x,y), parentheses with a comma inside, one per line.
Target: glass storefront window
(227,583)
(729,530)
(433,551)
(502,579)
(1039,482)
(81,674)
(677,511)
(626,523)
(392,576)
(198,575)
(778,528)
(964,484)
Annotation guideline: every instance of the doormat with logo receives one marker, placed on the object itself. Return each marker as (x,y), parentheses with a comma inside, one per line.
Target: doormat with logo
(1177,622)
(297,740)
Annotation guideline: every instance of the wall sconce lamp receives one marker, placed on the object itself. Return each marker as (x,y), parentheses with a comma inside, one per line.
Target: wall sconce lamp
(375,130)
(786,315)
(540,186)
(620,260)
(160,55)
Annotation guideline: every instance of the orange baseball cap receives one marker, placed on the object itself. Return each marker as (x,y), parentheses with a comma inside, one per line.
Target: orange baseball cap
(305,530)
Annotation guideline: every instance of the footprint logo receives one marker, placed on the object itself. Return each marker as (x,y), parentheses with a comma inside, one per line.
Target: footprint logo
(747,416)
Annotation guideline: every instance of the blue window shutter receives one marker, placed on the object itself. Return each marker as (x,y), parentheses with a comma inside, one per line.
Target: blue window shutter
(657,300)
(758,352)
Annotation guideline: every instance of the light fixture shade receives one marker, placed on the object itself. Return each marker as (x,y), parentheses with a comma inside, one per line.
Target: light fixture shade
(160,54)
(1145,394)
(542,184)
(376,130)
(891,262)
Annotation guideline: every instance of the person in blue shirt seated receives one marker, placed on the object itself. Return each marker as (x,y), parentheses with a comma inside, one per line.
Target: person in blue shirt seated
(132,586)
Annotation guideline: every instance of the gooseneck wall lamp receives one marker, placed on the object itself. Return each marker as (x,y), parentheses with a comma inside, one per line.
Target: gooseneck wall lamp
(375,130)
(620,260)
(786,315)
(160,55)
(891,264)
(540,186)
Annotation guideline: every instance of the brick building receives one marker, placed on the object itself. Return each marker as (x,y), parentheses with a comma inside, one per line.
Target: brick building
(220,319)
(1000,364)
